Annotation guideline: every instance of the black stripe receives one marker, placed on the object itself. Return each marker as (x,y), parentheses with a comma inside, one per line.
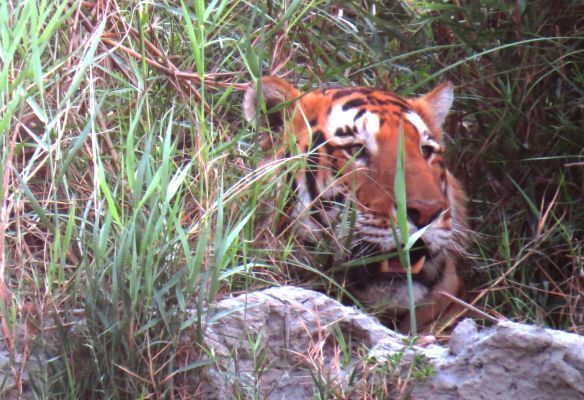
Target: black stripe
(317,139)
(359,114)
(293,185)
(313,161)
(402,106)
(346,131)
(312,192)
(353,104)
(352,90)
(342,93)
(389,101)
(311,182)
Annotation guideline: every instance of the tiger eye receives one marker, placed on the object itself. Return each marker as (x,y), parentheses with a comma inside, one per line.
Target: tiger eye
(427,151)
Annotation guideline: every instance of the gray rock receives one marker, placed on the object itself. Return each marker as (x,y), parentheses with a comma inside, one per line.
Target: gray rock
(272,343)
(509,361)
(292,343)
(287,343)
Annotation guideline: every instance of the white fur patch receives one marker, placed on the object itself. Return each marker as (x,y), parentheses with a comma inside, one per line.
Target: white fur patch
(417,121)
(341,119)
(367,127)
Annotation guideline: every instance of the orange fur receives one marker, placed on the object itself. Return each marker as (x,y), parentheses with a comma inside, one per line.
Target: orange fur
(351,137)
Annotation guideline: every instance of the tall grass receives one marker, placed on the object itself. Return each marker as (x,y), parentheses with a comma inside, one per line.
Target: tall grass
(131,188)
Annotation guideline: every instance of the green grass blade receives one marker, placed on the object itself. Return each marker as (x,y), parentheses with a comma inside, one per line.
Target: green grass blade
(402,220)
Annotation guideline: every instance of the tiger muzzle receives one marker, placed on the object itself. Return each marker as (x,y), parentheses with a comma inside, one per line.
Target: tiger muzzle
(383,265)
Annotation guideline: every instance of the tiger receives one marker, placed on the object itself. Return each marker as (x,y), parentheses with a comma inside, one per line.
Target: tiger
(350,136)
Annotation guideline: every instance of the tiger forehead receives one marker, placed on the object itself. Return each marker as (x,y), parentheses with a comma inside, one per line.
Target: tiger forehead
(363,109)
(357,115)
(366,96)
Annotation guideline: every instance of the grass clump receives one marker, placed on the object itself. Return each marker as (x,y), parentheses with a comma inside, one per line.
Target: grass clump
(129,190)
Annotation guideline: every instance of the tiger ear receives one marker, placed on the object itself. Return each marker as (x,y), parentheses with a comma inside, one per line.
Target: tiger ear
(275,92)
(438,102)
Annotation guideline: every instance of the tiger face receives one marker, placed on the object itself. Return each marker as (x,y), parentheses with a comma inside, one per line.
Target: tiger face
(350,136)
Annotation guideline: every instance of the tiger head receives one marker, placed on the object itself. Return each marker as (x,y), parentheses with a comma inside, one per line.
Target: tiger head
(350,137)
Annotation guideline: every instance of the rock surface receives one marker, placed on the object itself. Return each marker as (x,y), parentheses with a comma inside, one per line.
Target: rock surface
(291,343)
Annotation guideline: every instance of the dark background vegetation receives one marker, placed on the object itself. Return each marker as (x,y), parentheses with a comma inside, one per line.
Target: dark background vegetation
(129,194)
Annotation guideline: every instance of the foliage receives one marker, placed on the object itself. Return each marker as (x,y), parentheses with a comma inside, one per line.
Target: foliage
(131,186)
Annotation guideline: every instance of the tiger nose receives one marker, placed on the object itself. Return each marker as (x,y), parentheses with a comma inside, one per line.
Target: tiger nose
(421,213)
